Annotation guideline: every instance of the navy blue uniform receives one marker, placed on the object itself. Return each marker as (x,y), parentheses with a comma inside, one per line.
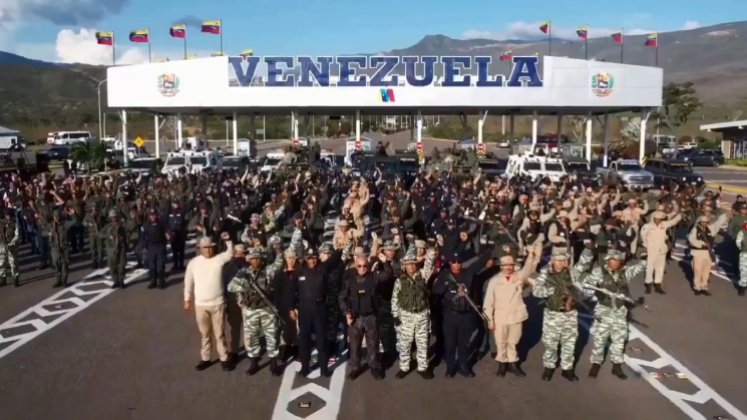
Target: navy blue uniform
(154,237)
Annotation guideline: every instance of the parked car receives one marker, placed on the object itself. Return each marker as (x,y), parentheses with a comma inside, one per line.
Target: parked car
(673,171)
(581,171)
(704,158)
(58,153)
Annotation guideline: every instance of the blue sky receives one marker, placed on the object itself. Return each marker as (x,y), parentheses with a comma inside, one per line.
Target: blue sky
(328,26)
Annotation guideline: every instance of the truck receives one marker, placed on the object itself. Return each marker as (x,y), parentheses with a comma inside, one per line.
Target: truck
(627,172)
(534,167)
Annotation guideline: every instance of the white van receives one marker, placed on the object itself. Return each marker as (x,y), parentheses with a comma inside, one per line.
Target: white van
(272,161)
(194,162)
(13,142)
(534,167)
(67,138)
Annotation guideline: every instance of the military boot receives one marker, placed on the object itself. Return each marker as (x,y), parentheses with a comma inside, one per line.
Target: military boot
(253,366)
(618,371)
(502,368)
(569,375)
(547,374)
(516,369)
(16,281)
(324,371)
(161,283)
(152,284)
(659,289)
(275,367)
(648,288)
(401,374)
(2,281)
(594,371)
(426,374)
(740,290)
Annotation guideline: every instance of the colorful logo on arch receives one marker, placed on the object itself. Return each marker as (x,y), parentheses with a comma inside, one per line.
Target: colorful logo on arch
(387,95)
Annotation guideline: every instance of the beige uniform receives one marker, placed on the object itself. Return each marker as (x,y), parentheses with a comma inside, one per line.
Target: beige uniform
(655,241)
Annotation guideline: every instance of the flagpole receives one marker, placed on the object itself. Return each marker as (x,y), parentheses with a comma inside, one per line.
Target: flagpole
(114,56)
(221,37)
(149,47)
(586,47)
(185,46)
(549,36)
(622,44)
(656,60)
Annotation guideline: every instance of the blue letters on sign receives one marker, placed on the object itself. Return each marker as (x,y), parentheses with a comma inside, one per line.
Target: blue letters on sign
(382,71)
(451,70)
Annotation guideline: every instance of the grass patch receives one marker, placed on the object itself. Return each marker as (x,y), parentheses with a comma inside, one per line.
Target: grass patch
(737,162)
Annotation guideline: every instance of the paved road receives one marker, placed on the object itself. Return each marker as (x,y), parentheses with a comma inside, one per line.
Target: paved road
(130,354)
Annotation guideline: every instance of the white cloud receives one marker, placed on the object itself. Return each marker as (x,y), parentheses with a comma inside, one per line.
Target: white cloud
(530,31)
(691,24)
(81,47)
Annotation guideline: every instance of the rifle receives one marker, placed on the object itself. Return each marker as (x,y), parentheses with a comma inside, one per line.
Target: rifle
(619,296)
(469,300)
(253,284)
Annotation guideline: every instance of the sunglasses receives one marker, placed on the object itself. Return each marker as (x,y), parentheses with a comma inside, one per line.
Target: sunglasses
(361,266)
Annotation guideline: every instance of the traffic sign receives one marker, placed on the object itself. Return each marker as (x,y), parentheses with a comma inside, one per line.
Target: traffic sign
(139,142)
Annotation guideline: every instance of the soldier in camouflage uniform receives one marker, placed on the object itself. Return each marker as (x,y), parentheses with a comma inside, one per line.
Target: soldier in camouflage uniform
(259,319)
(93,223)
(411,313)
(116,248)
(10,233)
(742,246)
(560,320)
(611,322)
(56,233)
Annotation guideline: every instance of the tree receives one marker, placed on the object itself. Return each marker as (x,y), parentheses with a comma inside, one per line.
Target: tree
(92,153)
(678,104)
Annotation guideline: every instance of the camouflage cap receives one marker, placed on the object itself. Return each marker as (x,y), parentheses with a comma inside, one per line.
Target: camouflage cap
(409,258)
(113,213)
(390,246)
(419,243)
(704,219)
(614,254)
(506,260)
(559,254)
(326,248)
(255,253)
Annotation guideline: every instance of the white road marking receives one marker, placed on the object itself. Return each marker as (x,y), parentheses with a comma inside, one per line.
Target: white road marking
(331,396)
(98,277)
(681,400)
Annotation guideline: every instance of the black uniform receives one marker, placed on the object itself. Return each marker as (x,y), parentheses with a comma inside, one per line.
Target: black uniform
(178,232)
(154,236)
(359,297)
(458,316)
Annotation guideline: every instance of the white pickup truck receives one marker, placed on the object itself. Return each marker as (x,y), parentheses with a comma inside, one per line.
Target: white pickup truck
(627,172)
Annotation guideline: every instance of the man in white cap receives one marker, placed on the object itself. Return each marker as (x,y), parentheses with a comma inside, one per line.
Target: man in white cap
(560,321)
(654,238)
(203,291)
(610,314)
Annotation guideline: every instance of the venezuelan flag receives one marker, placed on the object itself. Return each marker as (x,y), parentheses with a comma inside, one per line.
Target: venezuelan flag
(618,37)
(583,32)
(652,40)
(105,38)
(178,31)
(545,27)
(247,53)
(506,56)
(211,27)
(140,36)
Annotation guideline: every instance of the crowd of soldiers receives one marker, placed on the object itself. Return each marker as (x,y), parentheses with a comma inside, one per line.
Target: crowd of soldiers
(316,254)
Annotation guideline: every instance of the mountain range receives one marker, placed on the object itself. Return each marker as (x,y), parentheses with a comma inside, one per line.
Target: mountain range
(45,95)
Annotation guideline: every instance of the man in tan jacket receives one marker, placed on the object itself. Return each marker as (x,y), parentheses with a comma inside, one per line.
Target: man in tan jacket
(654,238)
(505,309)
(701,246)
